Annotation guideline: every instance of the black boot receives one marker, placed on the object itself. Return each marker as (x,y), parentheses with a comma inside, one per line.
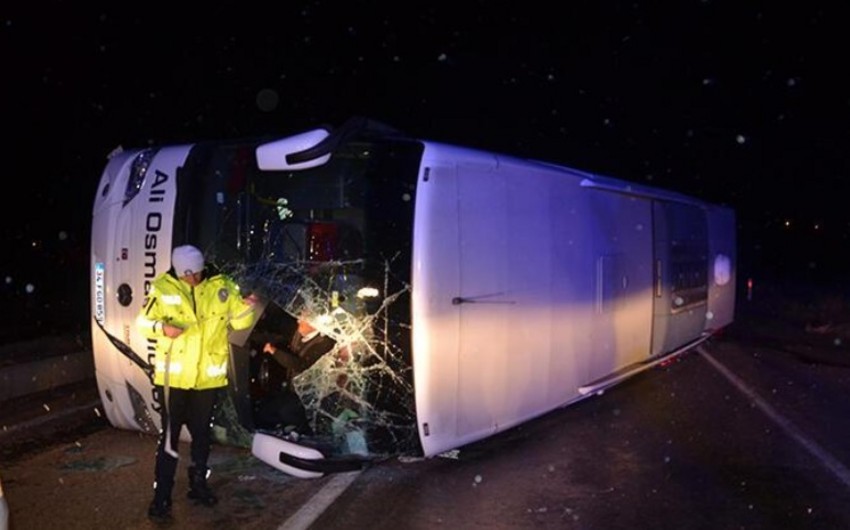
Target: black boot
(198,489)
(160,507)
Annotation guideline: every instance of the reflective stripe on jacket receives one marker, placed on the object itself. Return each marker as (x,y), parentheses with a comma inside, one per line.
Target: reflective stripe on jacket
(199,357)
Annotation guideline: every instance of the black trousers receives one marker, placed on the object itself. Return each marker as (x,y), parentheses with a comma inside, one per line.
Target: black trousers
(193,408)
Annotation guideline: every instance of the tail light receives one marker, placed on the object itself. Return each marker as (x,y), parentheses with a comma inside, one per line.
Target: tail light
(322,241)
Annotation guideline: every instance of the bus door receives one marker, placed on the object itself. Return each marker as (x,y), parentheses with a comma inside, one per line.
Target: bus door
(681,274)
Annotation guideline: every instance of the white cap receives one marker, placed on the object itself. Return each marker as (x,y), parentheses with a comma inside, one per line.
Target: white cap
(187,260)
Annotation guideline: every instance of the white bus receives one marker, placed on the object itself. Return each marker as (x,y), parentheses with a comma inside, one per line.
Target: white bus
(465,291)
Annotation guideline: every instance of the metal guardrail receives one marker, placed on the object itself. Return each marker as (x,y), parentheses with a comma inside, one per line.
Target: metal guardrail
(29,377)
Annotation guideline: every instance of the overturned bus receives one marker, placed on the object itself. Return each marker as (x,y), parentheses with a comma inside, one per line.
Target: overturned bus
(464,292)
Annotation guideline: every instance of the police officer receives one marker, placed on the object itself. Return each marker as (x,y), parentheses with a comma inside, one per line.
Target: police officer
(189,316)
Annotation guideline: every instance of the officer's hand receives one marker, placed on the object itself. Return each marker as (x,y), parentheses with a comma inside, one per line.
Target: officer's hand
(171,331)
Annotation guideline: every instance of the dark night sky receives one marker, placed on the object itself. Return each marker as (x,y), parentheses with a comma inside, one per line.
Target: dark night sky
(742,103)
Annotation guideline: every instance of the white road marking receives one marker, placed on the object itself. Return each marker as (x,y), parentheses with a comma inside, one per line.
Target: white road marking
(829,461)
(313,508)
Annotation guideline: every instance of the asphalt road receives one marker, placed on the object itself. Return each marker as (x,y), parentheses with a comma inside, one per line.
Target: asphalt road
(749,432)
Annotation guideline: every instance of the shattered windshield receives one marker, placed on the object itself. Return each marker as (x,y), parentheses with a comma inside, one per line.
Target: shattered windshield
(328,250)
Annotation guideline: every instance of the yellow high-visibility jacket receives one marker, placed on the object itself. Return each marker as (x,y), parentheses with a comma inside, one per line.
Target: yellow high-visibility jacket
(198,358)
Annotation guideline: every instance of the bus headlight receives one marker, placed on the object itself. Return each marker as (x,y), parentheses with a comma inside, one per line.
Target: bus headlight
(137,173)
